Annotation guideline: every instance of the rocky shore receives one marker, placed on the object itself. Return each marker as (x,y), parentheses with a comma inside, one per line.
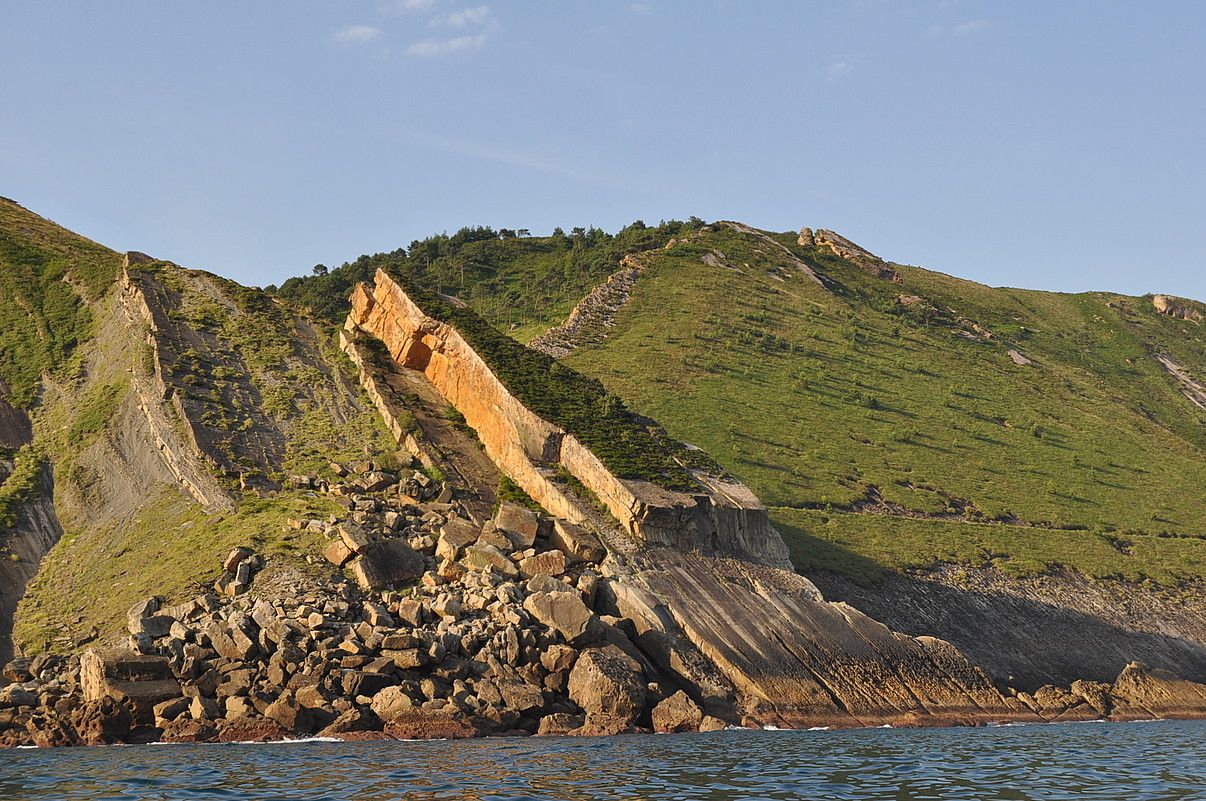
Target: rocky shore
(502,628)
(497,634)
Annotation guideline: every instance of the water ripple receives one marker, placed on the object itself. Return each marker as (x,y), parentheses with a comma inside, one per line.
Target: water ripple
(1137,762)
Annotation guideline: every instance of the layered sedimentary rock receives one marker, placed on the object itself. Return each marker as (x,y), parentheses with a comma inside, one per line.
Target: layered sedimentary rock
(710,605)
(722,517)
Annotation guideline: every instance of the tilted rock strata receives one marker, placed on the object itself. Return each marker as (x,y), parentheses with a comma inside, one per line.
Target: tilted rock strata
(591,318)
(723,517)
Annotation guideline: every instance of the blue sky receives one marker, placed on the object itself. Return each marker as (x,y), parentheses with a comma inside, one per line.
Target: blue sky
(1051,145)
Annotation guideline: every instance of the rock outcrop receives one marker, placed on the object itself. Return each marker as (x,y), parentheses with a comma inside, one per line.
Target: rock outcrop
(1181,308)
(844,248)
(594,315)
(722,517)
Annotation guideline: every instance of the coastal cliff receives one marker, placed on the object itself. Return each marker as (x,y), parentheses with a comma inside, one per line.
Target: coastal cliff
(220,528)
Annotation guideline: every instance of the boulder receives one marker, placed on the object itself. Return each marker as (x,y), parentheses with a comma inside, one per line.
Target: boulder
(424,724)
(386,562)
(565,613)
(354,536)
(290,715)
(140,611)
(560,723)
(455,535)
(167,711)
(236,558)
(609,686)
(338,553)
(18,669)
(523,525)
(392,703)
(576,542)
(139,680)
(184,730)
(677,713)
(549,563)
(102,722)
(487,557)
(251,729)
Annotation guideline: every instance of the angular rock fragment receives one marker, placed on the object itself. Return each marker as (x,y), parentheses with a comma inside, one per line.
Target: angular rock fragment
(386,562)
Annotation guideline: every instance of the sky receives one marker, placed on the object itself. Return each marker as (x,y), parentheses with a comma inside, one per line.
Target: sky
(1052,145)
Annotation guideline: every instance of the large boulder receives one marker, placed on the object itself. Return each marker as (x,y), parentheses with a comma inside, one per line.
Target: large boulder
(676,713)
(487,557)
(386,562)
(576,542)
(391,703)
(549,563)
(522,525)
(456,535)
(609,686)
(138,680)
(565,613)
(103,722)
(423,724)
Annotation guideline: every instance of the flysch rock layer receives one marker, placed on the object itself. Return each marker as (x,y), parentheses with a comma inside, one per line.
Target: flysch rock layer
(750,640)
(724,517)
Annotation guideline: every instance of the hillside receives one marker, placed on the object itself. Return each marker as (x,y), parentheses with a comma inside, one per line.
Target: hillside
(885,421)
(179,403)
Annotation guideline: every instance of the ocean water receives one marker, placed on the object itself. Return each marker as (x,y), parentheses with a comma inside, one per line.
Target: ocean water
(1119,762)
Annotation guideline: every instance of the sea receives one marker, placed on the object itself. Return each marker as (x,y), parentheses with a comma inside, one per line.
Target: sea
(1163,760)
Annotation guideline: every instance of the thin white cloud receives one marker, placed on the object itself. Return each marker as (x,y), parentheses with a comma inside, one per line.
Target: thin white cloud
(405,6)
(464,17)
(971,26)
(357,34)
(960,29)
(433,48)
(641,9)
(540,164)
(837,69)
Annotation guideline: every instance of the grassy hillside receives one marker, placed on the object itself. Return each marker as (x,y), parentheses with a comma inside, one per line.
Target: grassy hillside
(847,400)
(48,275)
(521,285)
(885,423)
(251,391)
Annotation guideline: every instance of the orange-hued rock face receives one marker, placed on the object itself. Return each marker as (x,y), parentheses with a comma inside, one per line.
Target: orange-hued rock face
(723,517)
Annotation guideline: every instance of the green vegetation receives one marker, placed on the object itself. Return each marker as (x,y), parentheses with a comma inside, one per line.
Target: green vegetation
(519,284)
(48,276)
(818,398)
(172,547)
(508,490)
(20,485)
(824,400)
(864,546)
(629,445)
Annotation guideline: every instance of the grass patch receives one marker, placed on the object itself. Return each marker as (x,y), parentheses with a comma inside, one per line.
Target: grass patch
(863,546)
(48,276)
(171,548)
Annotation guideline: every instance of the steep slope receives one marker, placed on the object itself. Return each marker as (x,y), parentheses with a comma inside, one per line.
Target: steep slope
(180,404)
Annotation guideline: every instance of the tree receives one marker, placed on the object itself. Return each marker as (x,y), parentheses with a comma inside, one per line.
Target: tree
(524,232)
(320,269)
